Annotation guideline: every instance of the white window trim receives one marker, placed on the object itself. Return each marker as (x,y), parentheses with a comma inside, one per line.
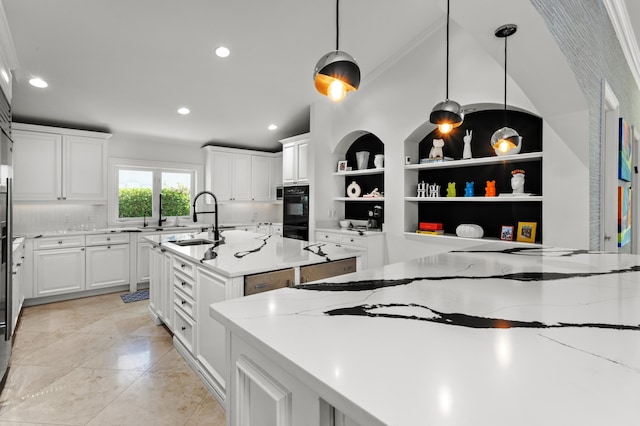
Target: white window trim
(117,163)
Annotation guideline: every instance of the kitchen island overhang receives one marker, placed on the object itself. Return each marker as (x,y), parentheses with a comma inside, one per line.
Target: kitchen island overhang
(500,334)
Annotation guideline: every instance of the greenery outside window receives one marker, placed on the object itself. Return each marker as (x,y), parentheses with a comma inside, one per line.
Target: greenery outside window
(136,188)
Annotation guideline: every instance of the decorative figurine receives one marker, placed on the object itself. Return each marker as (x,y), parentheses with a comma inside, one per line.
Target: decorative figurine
(436,150)
(517,181)
(373,194)
(468,190)
(434,190)
(451,189)
(378,161)
(466,153)
(422,189)
(490,189)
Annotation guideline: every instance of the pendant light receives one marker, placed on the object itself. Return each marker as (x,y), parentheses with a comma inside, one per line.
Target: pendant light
(336,73)
(506,141)
(447,114)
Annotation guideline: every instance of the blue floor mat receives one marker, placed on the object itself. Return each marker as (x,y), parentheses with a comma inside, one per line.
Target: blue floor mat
(135,296)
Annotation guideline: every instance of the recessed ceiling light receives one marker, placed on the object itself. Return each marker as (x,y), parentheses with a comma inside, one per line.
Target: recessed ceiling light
(222,52)
(38,82)
(183,111)
(272,127)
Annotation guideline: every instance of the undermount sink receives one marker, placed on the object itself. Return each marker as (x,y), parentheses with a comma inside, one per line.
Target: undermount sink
(193,242)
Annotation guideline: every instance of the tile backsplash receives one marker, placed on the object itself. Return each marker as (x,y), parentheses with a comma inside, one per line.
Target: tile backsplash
(34,218)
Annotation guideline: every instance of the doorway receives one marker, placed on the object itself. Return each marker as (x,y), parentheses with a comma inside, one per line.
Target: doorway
(608,233)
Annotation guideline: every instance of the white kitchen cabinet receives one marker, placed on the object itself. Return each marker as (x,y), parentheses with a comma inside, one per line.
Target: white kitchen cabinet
(8,57)
(59,164)
(107,260)
(58,271)
(372,242)
(241,175)
(160,286)
(248,228)
(17,285)
(262,185)
(295,160)
(184,293)
(210,335)
(143,267)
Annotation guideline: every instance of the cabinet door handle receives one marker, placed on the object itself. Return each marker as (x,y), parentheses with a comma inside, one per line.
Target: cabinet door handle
(162,250)
(183,266)
(260,285)
(108,247)
(183,302)
(183,328)
(59,242)
(108,238)
(183,283)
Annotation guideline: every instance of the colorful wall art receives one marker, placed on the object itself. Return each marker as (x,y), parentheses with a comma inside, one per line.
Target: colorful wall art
(624,158)
(624,216)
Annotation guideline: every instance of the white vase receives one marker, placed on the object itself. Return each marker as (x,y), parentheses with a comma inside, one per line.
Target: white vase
(362,158)
(378,161)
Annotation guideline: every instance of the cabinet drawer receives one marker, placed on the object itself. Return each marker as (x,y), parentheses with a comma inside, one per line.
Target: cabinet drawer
(106,239)
(353,241)
(66,241)
(326,270)
(258,283)
(327,237)
(184,303)
(186,267)
(185,330)
(184,283)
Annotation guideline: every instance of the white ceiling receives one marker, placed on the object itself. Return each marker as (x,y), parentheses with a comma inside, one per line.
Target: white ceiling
(126,66)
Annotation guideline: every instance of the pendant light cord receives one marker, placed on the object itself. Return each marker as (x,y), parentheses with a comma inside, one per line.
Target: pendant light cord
(447,69)
(337,24)
(505,81)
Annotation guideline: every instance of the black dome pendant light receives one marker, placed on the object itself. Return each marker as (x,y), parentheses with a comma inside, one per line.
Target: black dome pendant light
(506,141)
(336,73)
(447,114)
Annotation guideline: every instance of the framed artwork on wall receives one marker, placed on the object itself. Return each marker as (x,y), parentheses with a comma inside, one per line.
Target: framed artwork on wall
(624,216)
(526,232)
(624,156)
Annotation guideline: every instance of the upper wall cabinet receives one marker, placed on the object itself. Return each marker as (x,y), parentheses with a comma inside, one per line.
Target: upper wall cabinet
(55,164)
(241,175)
(294,160)
(8,58)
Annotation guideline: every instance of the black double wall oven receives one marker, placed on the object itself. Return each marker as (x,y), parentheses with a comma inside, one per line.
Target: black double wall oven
(295,216)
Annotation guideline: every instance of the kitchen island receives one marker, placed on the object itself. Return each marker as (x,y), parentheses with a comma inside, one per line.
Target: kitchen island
(189,272)
(501,335)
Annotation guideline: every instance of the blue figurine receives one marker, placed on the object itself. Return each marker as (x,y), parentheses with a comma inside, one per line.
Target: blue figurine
(468,189)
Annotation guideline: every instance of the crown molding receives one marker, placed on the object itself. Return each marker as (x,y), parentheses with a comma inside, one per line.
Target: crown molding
(619,16)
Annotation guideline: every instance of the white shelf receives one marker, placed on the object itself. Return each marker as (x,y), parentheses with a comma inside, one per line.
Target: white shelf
(467,199)
(477,161)
(360,172)
(449,236)
(360,199)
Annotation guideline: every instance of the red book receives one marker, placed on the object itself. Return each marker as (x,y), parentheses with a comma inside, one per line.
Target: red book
(429,226)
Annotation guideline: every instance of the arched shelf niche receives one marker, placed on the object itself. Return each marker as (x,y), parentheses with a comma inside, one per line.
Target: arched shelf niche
(368,179)
(480,120)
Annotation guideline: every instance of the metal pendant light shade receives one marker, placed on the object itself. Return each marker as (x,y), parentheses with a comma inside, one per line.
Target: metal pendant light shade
(447,114)
(506,141)
(336,73)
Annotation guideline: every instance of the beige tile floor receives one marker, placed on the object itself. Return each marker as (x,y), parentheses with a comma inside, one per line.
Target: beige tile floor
(99,361)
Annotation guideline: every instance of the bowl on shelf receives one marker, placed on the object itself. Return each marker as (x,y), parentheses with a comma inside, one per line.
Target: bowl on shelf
(345,223)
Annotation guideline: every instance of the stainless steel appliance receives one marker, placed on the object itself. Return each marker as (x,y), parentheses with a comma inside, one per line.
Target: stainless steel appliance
(5,237)
(295,215)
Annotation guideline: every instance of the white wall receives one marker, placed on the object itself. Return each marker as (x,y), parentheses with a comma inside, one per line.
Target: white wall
(398,101)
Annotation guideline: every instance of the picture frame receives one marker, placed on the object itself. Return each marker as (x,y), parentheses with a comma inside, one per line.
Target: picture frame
(506,233)
(625,137)
(342,166)
(526,232)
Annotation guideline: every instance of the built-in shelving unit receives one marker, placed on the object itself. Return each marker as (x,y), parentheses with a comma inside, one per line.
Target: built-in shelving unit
(491,213)
(360,199)
(376,171)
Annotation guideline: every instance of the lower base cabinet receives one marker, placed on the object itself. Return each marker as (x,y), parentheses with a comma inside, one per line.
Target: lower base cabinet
(107,266)
(58,271)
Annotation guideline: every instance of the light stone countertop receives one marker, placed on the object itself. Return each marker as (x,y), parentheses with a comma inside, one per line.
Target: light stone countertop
(499,335)
(245,253)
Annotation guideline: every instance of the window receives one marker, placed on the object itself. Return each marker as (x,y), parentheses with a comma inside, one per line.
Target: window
(140,188)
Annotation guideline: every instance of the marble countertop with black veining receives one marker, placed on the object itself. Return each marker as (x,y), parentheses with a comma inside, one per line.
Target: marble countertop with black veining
(500,335)
(245,253)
